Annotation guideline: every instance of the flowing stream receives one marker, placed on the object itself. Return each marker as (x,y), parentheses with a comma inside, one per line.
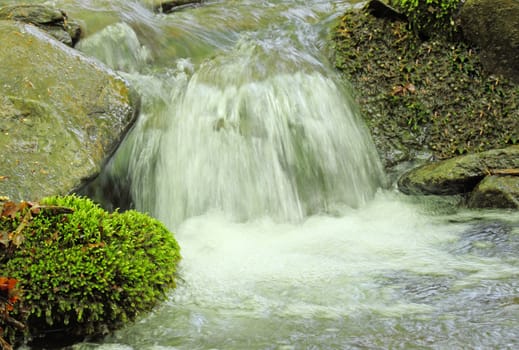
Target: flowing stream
(250,149)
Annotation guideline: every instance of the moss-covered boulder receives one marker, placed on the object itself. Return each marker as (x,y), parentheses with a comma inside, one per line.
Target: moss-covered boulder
(84,271)
(496,191)
(422,98)
(493,26)
(52,20)
(61,114)
(459,174)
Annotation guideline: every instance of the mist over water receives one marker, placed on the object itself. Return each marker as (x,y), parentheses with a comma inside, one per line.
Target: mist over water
(250,148)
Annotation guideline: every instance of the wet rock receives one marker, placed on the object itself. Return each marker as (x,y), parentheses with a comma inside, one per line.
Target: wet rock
(52,20)
(458,175)
(493,26)
(172,5)
(61,114)
(496,192)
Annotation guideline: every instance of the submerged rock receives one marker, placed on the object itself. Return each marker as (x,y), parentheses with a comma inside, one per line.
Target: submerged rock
(61,114)
(458,175)
(493,26)
(167,6)
(496,191)
(52,20)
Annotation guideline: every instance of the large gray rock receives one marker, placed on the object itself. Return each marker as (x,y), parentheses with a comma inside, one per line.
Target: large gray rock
(496,191)
(50,19)
(493,26)
(457,175)
(61,114)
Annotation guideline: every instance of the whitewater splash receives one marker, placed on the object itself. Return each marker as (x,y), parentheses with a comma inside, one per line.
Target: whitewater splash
(285,147)
(248,138)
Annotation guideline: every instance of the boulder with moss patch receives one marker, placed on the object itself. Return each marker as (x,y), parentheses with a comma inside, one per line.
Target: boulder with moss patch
(429,18)
(84,271)
(462,174)
(496,191)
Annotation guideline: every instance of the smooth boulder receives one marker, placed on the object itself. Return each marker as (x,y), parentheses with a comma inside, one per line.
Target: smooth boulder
(61,114)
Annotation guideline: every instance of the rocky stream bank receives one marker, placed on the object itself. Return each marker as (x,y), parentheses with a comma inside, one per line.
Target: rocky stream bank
(432,98)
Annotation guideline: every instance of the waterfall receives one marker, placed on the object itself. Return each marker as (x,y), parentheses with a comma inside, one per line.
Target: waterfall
(252,132)
(284,146)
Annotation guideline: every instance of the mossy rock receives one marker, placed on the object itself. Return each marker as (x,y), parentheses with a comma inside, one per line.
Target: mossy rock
(496,191)
(168,6)
(429,18)
(460,174)
(85,272)
(423,99)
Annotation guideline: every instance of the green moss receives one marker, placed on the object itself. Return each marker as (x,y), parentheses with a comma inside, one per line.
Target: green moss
(423,96)
(88,272)
(430,17)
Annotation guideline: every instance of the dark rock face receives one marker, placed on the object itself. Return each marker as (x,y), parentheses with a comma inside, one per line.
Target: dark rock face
(493,26)
(52,20)
(471,173)
(380,9)
(61,114)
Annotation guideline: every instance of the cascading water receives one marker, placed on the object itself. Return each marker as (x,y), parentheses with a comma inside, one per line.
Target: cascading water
(281,145)
(258,130)
(249,148)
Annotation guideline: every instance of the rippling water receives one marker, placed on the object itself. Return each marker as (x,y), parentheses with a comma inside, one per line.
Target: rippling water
(249,148)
